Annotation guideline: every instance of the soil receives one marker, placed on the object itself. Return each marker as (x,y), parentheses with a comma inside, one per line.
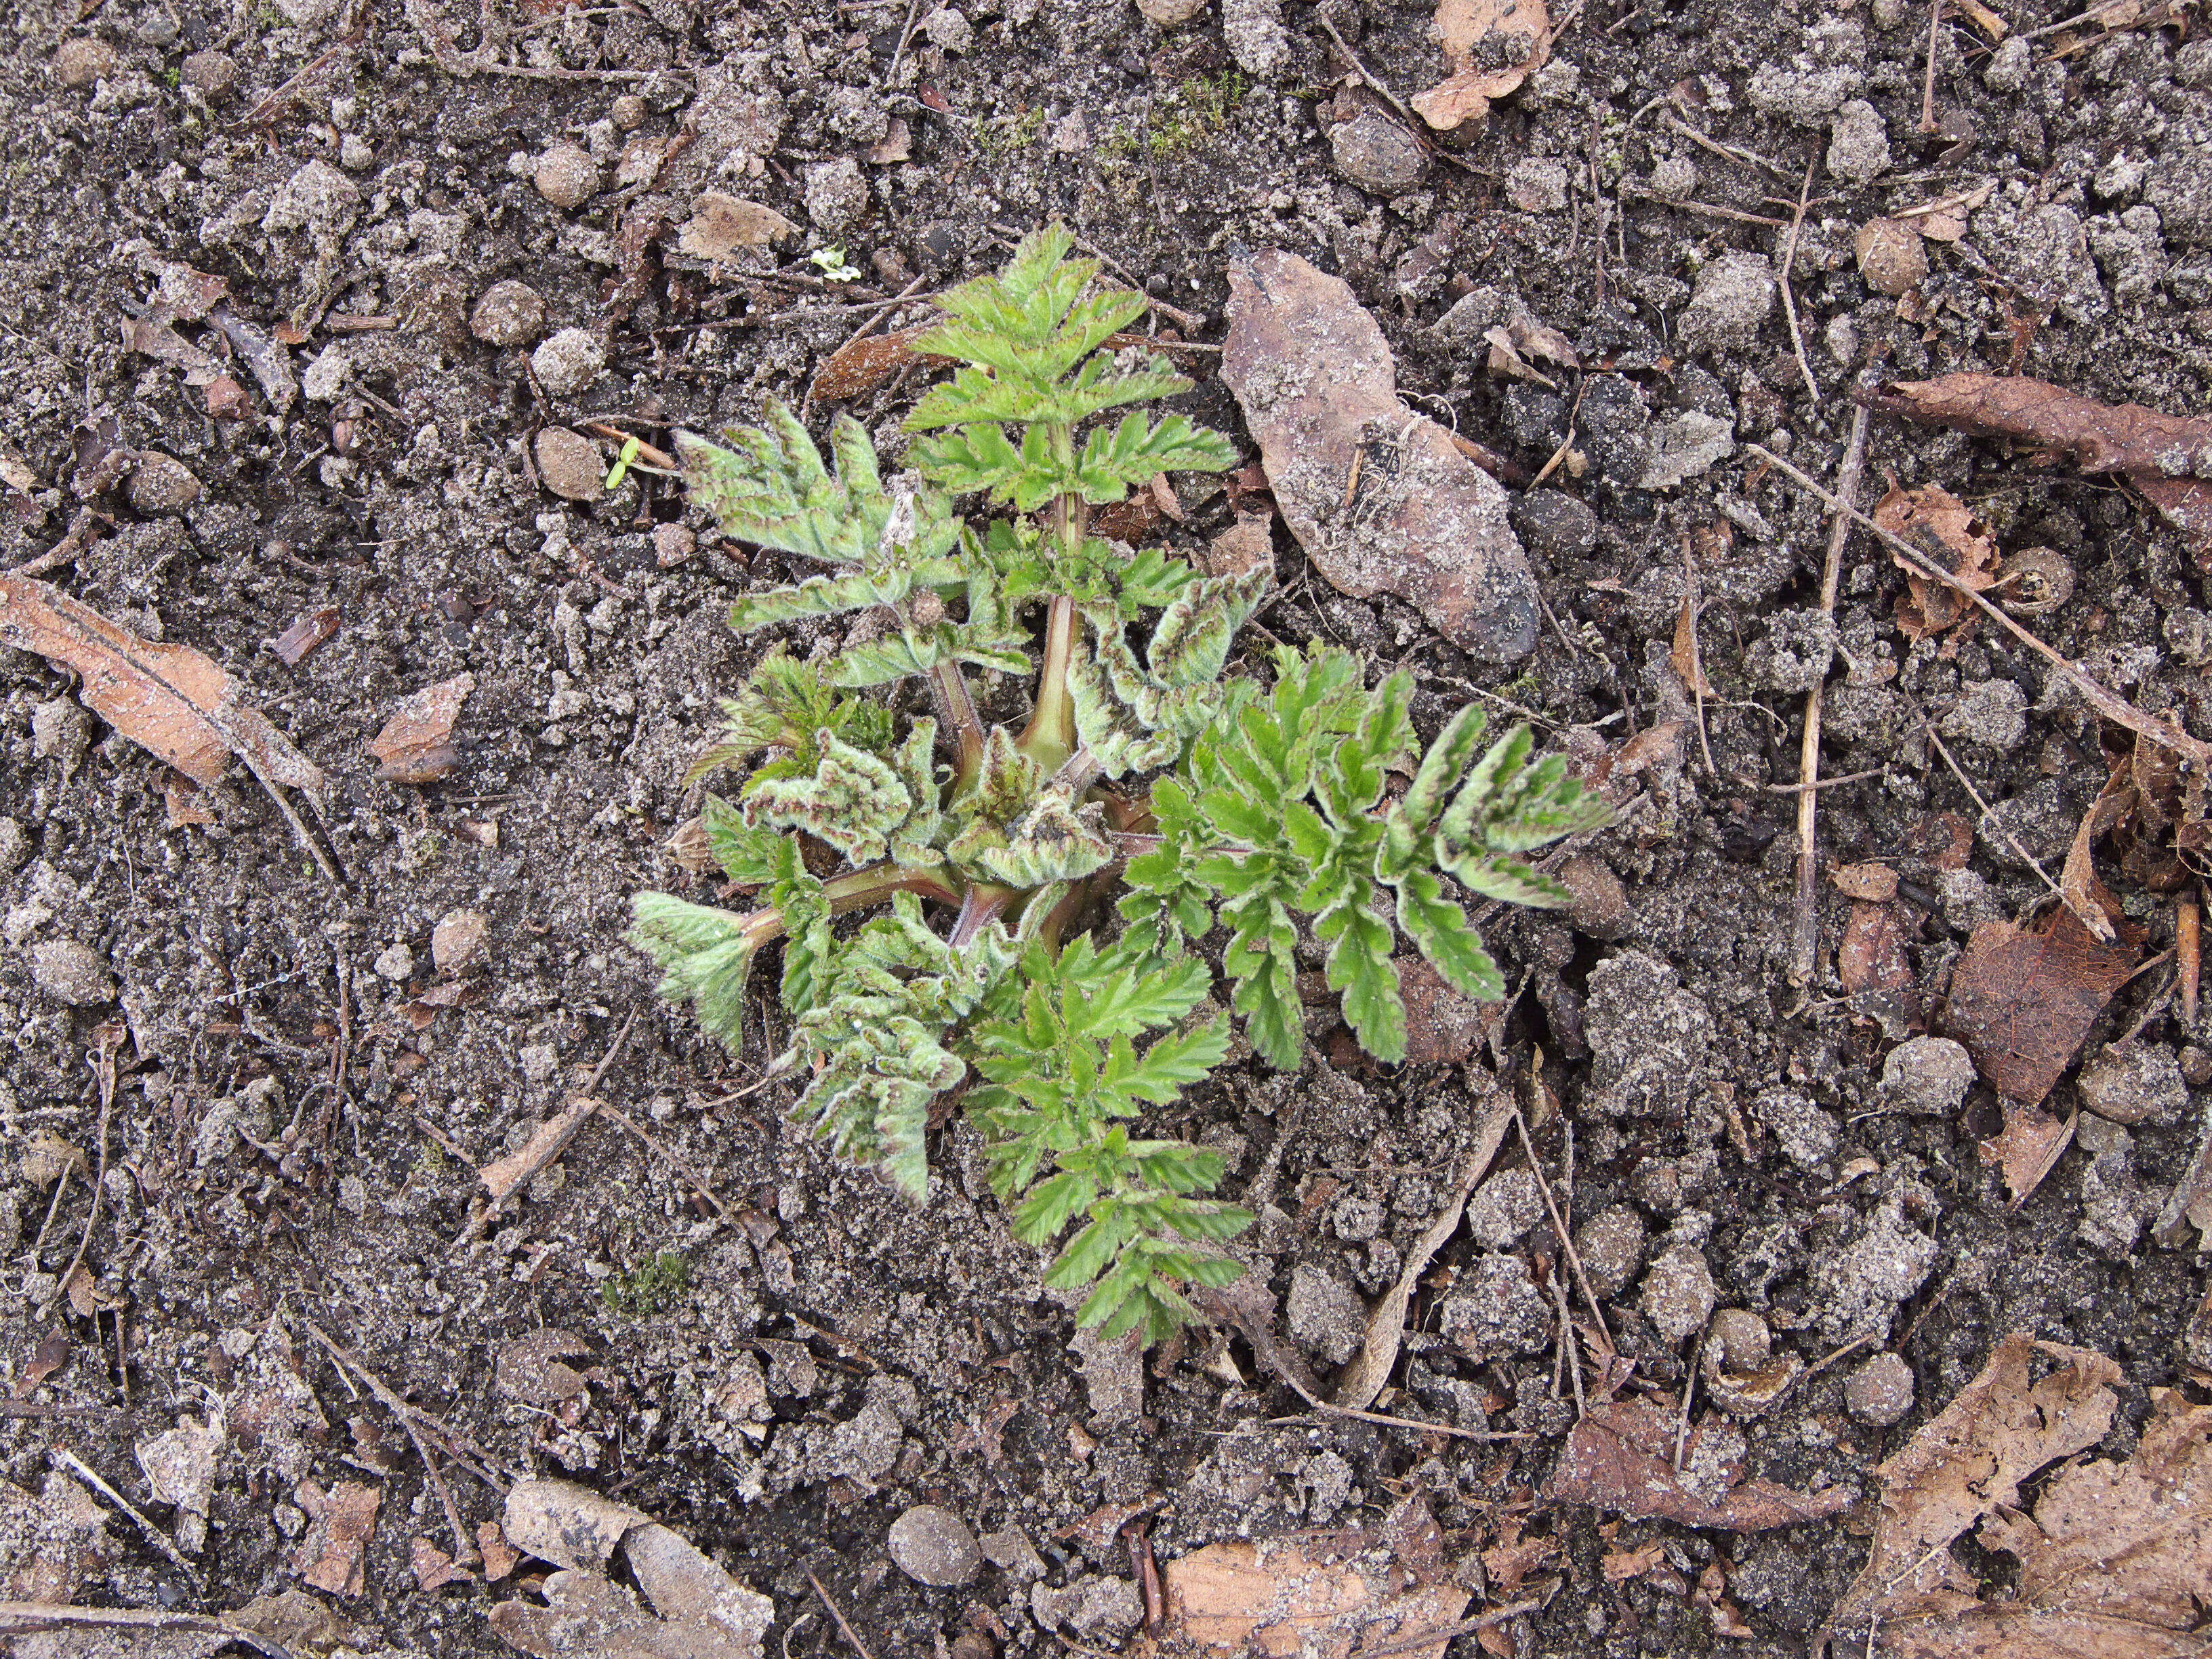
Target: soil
(290,1134)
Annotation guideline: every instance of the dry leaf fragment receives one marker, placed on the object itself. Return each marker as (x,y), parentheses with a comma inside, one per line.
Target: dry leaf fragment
(1873,956)
(432,1566)
(2022,1002)
(179,1468)
(1874,882)
(332,1555)
(499,1557)
(504,1177)
(1621,1457)
(1323,1594)
(1490,46)
(2167,456)
(858,367)
(307,631)
(720,223)
(416,745)
(2026,1149)
(530,1368)
(167,698)
(49,1357)
(1945,532)
(1379,496)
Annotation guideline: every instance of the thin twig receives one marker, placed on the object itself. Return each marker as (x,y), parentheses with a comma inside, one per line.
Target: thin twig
(1425,1641)
(1990,816)
(1823,783)
(683,1169)
(1368,77)
(153,1534)
(1711,209)
(1689,1394)
(1804,933)
(30,1618)
(1790,258)
(1574,1364)
(2187,932)
(1559,1227)
(1726,152)
(891,77)
(1690,609)
(859,1646)
(106,1073)
(1928,88)
(882,310)
(2112,706)
(464,1551)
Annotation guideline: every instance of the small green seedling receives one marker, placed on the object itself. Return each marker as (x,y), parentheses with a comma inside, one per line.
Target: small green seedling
(1269,807)
(615,473)
(831,259)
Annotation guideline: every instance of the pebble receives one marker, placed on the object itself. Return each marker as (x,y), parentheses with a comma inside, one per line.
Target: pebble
(949,29)
(1806,1135)
(458,939)
(396,963)
(1376,153)
(510,313)
(15,845)
(628,111)
(161,485)
(1928,1075)
(81,62)
(1325,1318)
(934,1547)
(1504,1207)
(567,176)
(1881,1391)
(568,362)
(568,464)
(837,194)
(212,73)
(1554,524)
(1733,297)
(1679,1292)
(1674,178)
(1170,13)
(1858,144)
(1892,256)
(1495,1309)
(71,972)
(1611,1246)
(2131,1082)
(1537,184)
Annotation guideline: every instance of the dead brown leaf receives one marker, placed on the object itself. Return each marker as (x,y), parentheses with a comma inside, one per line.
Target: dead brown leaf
(432,1566)
(1873,954)
(720,224)
(165,698)
(1248,544)
(417,744)
(333,1555)
(2022,1002)
(1683,657)
(308,631)
(498,1559)
(1874,882)
(1490,46)
(530,1368)
(1621,1457)
(2029,1143)
(2158,453)
(2113,1563)
(1328,1595)
(858,367)
(503,1177)
(1382,498)
(895,145)
(49,1357)
(1946,533)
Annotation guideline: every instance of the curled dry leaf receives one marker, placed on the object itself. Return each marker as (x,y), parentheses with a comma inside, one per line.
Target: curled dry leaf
(165,698)
(2167,456)
(2025,1150)
(416,745)
(1621,1457)
(307,631)
(2022,1002)
(858,367)
(1946,532)
(698,1611)
(1382,498)
(1490,46)
(2116,1558)
(333,1555)
(1874,955)
(504,1177)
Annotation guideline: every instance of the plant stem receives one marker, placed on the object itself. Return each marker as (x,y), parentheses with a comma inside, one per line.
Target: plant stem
(955,713)
(1049,738)
(978,910)
(855,891)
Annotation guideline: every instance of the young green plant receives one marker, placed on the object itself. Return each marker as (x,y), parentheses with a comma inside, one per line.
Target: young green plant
(1267,808)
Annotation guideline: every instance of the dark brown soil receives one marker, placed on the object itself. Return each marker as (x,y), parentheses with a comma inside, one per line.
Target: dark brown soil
(293,1132)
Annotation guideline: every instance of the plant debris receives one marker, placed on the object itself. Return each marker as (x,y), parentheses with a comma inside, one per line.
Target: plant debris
(2022,1001)
(1379,497)
(416,745)
(2116,1557)
(2161,454)
(1490,46)
(1948,534)
(333,1556)
(1623,1456)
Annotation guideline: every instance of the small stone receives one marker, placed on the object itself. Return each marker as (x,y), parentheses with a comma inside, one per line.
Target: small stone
(1674,178)
(71,972)
(1356,1219)
(1679,1292)
(837,194)
(1325,1318)
(1879,1392)
(2131,1082)
(161,485)
(1734,295)
(511,313)
(326,376)
(567,176)
(458,940)
(212,73)
(60,727)
(948,29)
(1806,1134)
(1495,1309)
(934,1547)
(1011,1551)
(672,543)
(1858,145)
(1097,1606)
(629,111)
(1552,525)
(1928,1075)
(1376,153)
(1737,1341)
(2009,66)
(1537,184)
(396,963)
(538,1060)
(81,62)
(1504,1207)
(568,362)
(15,845)
(568,464)
(1892,256)
(1611,1246)
(1168,14)
(355,153)
(1993,713)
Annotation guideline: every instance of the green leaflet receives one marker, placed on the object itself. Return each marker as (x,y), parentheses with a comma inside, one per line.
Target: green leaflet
(854,800)
(706,954)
